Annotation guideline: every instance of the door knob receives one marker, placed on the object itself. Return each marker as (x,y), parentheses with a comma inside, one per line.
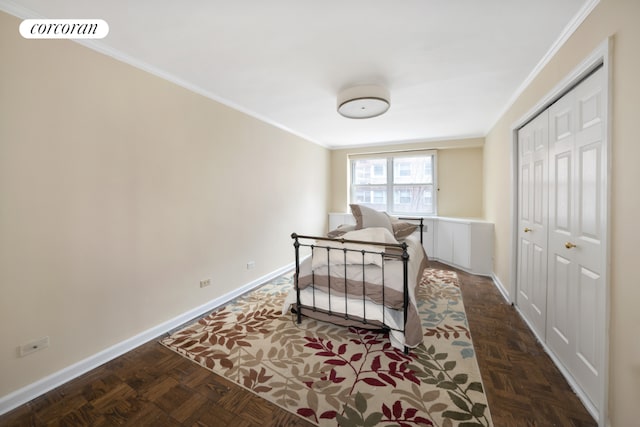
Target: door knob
(569,245)
(526,230)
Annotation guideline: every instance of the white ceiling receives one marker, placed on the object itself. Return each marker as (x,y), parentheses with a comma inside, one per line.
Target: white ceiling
(451,66)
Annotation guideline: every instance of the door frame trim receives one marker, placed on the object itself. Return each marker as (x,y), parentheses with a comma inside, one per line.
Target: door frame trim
(601,56)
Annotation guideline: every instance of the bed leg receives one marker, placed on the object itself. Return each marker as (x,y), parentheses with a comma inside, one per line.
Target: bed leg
(406,350)
(296,245)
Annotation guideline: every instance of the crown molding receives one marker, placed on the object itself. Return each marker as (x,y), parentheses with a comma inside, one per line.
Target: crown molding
(568,31)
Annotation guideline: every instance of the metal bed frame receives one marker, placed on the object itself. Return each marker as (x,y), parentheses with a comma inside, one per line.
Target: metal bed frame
(364,322)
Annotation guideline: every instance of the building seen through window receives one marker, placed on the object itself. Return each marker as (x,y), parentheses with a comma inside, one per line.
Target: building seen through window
(398,183)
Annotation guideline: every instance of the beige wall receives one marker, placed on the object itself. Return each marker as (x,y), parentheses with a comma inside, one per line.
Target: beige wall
(120,191)
(460,175)
(620,19)
(460,182)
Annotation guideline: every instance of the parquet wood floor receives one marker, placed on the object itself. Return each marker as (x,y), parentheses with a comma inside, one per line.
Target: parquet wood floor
(523,386)
(153,386)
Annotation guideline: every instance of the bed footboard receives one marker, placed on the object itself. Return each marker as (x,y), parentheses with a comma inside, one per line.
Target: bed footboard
(346,272)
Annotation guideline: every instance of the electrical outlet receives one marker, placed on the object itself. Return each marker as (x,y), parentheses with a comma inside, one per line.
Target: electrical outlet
(204,283)
(251,265)
(33,346)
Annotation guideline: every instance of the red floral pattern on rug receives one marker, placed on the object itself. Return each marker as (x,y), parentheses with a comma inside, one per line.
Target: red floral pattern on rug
(332,375)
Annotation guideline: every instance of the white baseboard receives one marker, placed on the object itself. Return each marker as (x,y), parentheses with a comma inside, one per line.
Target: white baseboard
(501,288)
(33,390)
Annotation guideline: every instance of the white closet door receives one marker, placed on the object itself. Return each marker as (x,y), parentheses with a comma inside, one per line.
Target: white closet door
(532,222)
(577,226)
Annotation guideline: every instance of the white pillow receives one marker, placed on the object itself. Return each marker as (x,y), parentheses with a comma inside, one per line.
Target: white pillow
(367,217)
(337,257)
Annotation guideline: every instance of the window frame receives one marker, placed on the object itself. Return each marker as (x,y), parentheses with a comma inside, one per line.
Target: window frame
(389,185)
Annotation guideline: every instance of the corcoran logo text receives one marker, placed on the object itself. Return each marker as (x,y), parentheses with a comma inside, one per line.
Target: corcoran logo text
(64,29)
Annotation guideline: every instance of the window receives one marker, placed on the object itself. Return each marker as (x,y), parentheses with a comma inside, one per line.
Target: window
(399,183)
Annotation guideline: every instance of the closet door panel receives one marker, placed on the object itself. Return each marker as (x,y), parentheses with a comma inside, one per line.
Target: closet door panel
(590,238)
(576,241)
(539,292)
(589,222)
(561,191)
(587,343)
(525,275)
(532,222)
(561,320)
(559,313)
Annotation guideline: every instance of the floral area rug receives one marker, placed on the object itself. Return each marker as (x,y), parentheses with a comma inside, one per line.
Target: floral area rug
(333,375)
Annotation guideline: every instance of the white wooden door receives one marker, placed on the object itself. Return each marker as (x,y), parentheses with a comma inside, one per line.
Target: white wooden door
(532,222)
(577,232)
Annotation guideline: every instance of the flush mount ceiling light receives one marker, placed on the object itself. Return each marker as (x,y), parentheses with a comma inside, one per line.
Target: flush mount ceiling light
(363,102)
